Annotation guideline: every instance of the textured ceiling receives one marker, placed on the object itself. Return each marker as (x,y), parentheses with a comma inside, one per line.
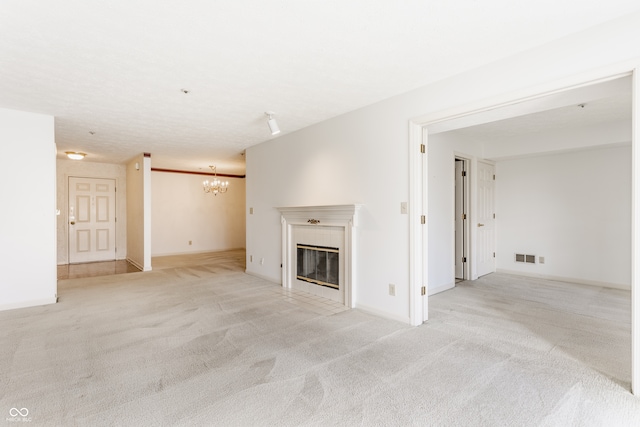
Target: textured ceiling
(608,102)
(117,68)
(598,112)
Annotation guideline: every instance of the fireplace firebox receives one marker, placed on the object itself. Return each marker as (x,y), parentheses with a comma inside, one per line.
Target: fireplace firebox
(318,265)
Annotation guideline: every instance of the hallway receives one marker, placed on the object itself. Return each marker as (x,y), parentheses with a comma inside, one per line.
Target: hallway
(232,260)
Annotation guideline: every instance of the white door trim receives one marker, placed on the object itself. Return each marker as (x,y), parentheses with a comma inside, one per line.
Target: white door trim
(468,208)
(460,219)
(418,233)
(418,186)
(635,235)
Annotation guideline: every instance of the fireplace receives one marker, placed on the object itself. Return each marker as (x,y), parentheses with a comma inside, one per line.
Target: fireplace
(319,265)
(318,250)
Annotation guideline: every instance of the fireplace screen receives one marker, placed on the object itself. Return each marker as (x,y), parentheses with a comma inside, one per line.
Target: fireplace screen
(318,264)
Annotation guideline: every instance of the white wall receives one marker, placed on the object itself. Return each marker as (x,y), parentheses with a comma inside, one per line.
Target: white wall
(139,212)
(338,162)
(28,226)
(362,157)
(183,212)
(574,209)
(83,168)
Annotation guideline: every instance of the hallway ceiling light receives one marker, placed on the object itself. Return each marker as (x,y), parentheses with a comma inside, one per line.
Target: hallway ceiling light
(73,155)
(273,125)
(215,186)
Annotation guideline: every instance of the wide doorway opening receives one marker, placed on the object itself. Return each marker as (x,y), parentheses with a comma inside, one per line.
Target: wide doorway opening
(606,105)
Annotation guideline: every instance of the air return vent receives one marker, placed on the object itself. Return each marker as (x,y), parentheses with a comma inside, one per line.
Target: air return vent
(528,259)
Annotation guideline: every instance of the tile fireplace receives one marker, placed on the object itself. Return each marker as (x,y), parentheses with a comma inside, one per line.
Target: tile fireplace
(318,250)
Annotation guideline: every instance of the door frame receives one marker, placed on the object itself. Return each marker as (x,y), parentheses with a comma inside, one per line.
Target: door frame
(418,188)
(466,230)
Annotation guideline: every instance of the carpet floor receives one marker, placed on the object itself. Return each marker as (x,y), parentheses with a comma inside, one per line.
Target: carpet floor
(209,345)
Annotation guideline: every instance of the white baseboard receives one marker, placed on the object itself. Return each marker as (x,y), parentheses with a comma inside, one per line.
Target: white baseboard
(384,314)
(195,252)
(30,303)
(567,279)
(118,258)
(441,288)
(263,277)
(135,264)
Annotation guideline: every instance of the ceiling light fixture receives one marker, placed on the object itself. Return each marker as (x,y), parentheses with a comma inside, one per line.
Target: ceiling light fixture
(273,125)
(73,155)
(215,186)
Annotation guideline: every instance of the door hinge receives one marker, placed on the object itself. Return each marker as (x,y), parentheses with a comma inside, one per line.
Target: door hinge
(464,173)
(115,189)
(464,259)
(464,216)
(494,254)
(494,216)
(494,177)
(423,219)
(423,290)
(423,148)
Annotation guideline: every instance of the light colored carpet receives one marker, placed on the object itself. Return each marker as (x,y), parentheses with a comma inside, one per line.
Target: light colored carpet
(210,345)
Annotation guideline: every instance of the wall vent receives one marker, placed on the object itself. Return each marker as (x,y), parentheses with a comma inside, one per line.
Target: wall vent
(528,259)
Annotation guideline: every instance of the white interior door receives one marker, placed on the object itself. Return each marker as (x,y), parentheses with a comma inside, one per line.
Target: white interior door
(459,219)
(485,234)
(92,221)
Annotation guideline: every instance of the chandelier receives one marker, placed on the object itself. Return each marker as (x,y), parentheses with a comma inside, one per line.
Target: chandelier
(215,186)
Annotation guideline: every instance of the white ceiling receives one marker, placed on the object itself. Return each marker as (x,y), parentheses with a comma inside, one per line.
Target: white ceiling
(600,111)
(118,68)
(608,102)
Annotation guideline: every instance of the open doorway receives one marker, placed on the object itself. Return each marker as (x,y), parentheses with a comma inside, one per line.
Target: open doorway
(92,230)
(462,218)
(566,100)
(554,124)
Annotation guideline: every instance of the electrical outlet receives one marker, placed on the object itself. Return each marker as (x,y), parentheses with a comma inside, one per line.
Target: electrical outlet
(190,242)
(250,211)
(261,261)
(404,208)
(541,259)
(392,289)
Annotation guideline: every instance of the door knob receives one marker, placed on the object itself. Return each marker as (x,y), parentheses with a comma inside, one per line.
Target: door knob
(72,222)
(480,225)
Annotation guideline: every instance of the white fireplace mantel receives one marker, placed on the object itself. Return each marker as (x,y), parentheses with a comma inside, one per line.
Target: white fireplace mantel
(344,216)
(333,214)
